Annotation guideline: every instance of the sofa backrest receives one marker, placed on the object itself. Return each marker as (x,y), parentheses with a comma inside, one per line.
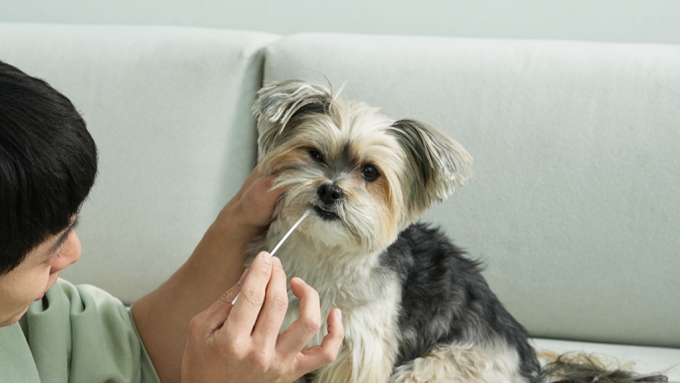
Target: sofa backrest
(574,209)
(170,111)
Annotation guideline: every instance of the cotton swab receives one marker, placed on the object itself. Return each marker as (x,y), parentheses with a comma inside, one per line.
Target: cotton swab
(278,245)
(295,225)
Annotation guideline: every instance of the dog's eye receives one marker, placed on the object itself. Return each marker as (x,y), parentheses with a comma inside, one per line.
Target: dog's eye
(370,172)
(316,155)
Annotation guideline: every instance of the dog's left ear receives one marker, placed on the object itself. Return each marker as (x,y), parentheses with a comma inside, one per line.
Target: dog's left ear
(277,103)
(437,163)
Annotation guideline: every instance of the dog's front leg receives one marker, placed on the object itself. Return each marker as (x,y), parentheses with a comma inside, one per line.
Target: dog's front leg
(344,371)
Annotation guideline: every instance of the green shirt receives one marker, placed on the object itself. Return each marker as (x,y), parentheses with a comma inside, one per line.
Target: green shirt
(75,334)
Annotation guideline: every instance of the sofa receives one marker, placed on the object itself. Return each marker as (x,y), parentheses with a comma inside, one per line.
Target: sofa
(574,209)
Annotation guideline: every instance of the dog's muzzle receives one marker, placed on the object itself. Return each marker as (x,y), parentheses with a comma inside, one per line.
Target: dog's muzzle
(330,196)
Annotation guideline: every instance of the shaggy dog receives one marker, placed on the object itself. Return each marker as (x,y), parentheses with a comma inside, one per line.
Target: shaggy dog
(415,308)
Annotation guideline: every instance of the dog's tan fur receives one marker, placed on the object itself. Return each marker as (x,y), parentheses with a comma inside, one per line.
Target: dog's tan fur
(461,364)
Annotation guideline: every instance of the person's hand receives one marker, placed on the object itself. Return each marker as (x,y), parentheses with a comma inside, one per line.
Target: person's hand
(253,205)
(241,342)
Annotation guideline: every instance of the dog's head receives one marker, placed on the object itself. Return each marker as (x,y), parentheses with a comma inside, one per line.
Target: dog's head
(365,176)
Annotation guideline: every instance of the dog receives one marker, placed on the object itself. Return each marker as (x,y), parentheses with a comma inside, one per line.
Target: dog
(415,307)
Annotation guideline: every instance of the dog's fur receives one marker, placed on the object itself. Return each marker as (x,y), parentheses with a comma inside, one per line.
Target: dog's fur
(415,308)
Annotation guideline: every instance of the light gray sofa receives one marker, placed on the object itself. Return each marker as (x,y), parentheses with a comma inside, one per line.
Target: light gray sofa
(575,207)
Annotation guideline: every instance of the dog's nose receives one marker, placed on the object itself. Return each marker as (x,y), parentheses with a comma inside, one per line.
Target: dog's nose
(329,193)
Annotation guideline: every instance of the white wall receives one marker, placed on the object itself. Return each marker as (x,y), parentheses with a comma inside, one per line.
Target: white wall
(656,21)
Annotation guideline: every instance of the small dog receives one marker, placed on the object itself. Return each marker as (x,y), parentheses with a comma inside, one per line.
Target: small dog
(415,309)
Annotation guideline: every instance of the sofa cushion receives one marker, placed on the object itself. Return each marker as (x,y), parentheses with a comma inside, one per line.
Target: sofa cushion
(170,111)
(575,208)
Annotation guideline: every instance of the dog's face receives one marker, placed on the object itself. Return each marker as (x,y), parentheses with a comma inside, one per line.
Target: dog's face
(364,176)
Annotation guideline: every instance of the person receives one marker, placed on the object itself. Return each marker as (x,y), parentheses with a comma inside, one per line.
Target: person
(188,329)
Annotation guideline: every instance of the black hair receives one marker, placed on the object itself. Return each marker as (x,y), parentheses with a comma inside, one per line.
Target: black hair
(48,164)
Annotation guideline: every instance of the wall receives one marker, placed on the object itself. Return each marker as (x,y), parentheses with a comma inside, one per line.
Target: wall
(654,21)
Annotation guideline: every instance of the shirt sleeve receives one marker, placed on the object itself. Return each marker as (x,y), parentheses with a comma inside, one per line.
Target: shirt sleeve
(81,334)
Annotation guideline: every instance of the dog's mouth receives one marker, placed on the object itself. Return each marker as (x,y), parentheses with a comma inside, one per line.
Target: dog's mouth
(326,215)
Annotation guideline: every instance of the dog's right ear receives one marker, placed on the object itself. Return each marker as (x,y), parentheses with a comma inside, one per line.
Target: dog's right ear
(277,103)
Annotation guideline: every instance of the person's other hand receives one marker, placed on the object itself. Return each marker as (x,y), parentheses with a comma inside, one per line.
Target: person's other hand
(253,205)
(241,342)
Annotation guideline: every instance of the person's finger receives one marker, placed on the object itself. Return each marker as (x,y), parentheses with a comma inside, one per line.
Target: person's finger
(256,200)
(265,186)
(216,314)
(318,356)
(251,298)
(273,312)
(254,174)
(296,337)
(262,199)
(258,184)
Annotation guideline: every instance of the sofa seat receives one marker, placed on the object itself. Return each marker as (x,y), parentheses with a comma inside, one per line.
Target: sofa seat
(646,360)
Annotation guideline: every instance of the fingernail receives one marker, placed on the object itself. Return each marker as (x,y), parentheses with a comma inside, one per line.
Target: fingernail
(266,257)
(277,261)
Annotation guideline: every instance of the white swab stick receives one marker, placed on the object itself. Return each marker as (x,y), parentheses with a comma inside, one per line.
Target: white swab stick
(278,245)
(295,225)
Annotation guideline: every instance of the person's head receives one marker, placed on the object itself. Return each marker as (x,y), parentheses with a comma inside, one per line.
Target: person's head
(48,163)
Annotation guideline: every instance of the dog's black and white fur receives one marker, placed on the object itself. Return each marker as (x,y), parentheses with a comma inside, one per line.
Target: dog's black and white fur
(415,308)
(446,301)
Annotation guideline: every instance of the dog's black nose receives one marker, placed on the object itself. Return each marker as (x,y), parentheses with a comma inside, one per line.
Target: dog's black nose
(330,193)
